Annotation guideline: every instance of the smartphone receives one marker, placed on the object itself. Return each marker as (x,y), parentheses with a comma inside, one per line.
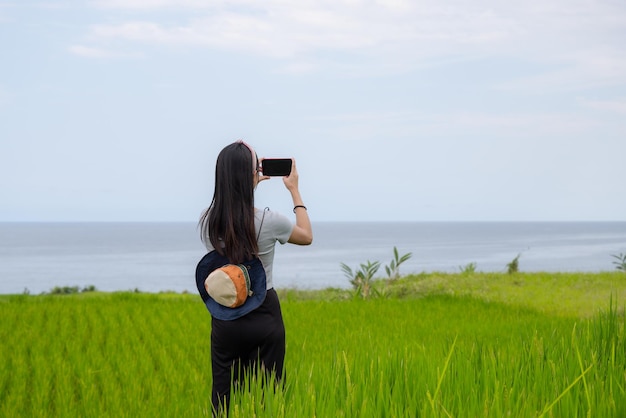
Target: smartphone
(276,166)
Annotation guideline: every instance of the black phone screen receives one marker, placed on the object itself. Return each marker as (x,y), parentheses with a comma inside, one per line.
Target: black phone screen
(276,166)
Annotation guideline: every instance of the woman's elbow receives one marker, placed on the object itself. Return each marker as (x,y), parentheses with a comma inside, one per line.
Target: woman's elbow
(301,238)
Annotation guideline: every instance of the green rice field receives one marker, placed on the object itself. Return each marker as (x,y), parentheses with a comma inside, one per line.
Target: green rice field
(434,345)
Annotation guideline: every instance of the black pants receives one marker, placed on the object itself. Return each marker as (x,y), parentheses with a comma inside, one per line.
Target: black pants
(238,347)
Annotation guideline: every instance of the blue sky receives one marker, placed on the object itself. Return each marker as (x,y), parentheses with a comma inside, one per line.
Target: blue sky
(114,110)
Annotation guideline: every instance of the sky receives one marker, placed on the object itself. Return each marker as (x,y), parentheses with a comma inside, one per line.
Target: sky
(394,110)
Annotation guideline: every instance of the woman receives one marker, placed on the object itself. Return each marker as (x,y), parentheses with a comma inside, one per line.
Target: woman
(238,231)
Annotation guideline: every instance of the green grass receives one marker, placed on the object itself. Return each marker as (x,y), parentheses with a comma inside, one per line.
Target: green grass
(562,294)
(440,345)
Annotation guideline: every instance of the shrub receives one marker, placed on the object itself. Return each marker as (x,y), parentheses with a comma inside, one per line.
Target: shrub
(620,264)
(393,269)
(65,290)
(468,268)
(361,279)
(68,290)
(513,266)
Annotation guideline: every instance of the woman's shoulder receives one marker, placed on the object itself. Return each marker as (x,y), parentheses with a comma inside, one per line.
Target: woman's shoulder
(275,225)
(272,217)
(268,213)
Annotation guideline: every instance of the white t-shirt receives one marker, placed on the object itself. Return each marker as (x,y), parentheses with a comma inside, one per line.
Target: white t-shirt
(276,227)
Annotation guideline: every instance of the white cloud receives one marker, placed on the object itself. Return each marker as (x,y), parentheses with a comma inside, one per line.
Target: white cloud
(93,52)
(388,35)
(614,106)
(52,5)
(90,52)
(154,4)
(523,124)
(462,125)
(282,29)
(575,70)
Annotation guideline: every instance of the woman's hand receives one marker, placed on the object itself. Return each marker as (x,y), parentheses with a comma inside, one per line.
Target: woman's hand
(291,181)
(260,176)
(302,233)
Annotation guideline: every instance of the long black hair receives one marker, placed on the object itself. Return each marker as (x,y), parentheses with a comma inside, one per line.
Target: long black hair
(228,223)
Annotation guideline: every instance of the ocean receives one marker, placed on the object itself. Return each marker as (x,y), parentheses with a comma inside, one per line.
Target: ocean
(154,257)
